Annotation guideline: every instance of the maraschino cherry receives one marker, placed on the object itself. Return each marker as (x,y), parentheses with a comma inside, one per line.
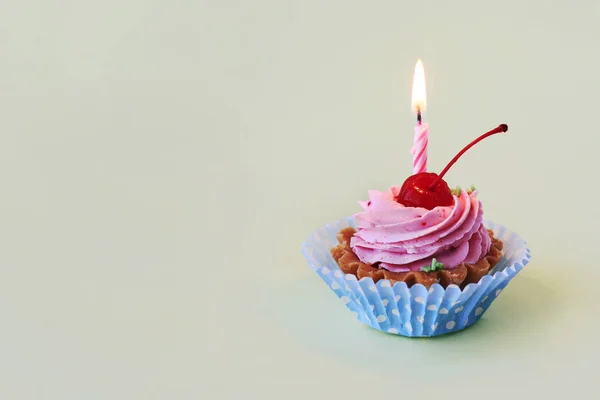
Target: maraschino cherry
(428,189)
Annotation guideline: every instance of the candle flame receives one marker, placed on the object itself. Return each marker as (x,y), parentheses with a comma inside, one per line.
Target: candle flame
(419,96)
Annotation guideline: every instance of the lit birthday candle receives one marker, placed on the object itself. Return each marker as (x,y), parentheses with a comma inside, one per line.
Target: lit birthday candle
(419,100)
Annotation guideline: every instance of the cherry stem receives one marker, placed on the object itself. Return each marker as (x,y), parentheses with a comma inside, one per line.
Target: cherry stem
(501,128)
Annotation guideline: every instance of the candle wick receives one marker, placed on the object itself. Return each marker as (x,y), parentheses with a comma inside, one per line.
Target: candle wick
(419,115)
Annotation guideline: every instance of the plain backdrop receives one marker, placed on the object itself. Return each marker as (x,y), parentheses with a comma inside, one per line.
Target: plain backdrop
(162,161)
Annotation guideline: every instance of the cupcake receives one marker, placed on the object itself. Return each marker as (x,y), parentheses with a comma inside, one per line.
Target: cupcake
(419,259)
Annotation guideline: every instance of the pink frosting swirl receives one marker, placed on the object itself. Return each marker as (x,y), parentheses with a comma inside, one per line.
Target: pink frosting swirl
(408,238)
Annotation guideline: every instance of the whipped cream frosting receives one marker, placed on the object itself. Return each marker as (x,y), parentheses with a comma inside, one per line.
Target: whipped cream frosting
(408,238)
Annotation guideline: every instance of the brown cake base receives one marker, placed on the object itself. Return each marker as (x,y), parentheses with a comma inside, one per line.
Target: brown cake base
(461,276)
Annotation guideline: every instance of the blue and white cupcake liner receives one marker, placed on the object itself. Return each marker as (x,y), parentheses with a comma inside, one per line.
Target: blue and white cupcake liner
(414,311)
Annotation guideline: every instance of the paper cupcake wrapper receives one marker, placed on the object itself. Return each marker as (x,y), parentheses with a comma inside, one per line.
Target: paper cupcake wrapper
(414,311)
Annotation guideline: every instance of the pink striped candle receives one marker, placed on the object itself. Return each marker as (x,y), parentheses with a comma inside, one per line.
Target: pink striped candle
(419,100)
(419,149)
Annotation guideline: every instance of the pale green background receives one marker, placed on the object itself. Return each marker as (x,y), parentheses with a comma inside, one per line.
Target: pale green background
(162,161)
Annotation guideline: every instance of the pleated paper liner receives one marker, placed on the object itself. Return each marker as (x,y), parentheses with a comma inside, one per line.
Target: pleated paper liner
(414,311)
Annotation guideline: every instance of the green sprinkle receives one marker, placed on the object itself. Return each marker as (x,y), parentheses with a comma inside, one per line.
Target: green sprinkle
(456,191)
(435,266)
